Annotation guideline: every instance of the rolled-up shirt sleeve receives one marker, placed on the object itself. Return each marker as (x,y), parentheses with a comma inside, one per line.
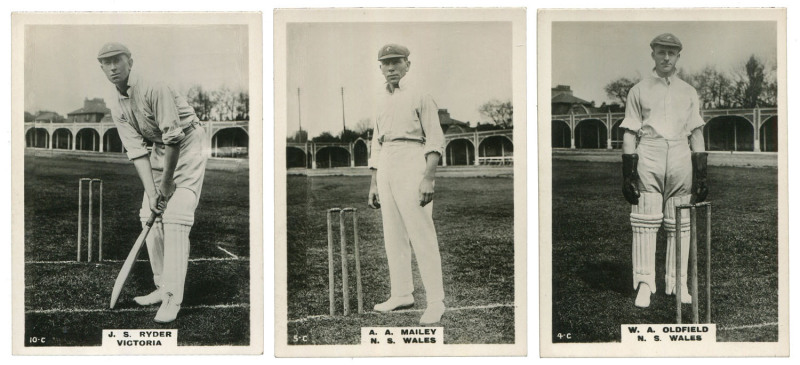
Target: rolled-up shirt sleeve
(134,143)
(633,111)
(375,148)
(695,120)
(167,116)
(429,118)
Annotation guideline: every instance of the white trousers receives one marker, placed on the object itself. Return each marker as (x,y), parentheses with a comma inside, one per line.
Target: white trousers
(168,241)
(665,172)
(405,223)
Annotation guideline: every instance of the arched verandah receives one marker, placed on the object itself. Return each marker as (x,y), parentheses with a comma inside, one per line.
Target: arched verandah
(617,134)
(62,139)
(728,133)
(360,153)
(328,157)
(295,157)
(560,134)
(495,150)
(37,137)
(87,139)
(460,152)
(768,135)
(230,142)
(591,133)
(112,142)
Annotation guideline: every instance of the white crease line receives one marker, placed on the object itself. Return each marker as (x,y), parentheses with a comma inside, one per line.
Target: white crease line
(199,259)
(137,309)
(228,252)
(219,259)
(748,326)
(449,309)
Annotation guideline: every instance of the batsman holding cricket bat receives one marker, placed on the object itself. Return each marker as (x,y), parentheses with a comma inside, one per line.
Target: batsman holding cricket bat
(173,172)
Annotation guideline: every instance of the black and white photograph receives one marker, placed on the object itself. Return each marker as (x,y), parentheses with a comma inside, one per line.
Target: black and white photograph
(137,141)
(663,168)
(400,182)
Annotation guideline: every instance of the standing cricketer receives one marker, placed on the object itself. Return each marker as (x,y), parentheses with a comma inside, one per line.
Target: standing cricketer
(664,165)
(172,173)
(406,147)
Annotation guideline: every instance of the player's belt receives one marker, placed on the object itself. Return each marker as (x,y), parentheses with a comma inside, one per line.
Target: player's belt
(188,129)
(653,138)
(401,139)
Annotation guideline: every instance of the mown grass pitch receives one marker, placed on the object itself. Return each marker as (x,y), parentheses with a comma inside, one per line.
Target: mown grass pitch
(67,302)
(474,220)
(593,292)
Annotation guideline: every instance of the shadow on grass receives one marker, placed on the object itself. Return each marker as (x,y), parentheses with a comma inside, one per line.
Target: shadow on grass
(607,276)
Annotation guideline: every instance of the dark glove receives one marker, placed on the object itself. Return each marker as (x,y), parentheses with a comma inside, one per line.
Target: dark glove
(699,174)
(630,175)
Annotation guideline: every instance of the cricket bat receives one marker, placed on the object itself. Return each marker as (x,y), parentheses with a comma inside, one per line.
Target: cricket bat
(125,272)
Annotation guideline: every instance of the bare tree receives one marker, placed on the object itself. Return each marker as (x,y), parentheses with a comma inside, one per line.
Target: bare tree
(714,88)
(364,124)
(326,137)
(755,86)
(200,101)
(298,137)
(242,106)
(224,102)
(349,135)
(54,117)
(501,113)
(770,94)
(364,128)
(618,89)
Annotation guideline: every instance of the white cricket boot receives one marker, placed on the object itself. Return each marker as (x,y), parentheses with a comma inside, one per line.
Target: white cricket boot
(169,309)
(395,303)
(686,298)
(433,314)
(149,299)
(643,297)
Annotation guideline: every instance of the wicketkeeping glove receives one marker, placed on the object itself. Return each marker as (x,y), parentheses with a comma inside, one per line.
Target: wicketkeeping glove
(699,174)
(630,181)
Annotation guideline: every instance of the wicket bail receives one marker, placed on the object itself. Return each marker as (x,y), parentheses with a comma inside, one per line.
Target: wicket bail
(693,255)
(90,225)
(343,249)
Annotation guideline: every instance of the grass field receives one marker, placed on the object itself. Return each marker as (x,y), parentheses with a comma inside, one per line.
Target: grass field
(474,221)
(592,280)
(67,301)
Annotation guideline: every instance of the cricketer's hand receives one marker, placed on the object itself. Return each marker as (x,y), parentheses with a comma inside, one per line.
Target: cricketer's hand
(374,200)
(158,204)
(630,178)
(425,191)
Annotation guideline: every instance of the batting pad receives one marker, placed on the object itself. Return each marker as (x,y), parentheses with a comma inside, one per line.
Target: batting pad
(646,218)
(176,259)
(155,250)
(670,225)
(180,208)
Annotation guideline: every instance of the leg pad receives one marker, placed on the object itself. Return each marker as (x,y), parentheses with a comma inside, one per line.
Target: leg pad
(646,218)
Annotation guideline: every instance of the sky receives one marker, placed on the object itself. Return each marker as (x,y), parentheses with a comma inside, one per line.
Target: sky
(589,55)
(461,64)
(61,67)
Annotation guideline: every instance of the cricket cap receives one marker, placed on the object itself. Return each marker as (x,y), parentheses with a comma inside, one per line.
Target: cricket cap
(667,40)
(392,51)
(112,49)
